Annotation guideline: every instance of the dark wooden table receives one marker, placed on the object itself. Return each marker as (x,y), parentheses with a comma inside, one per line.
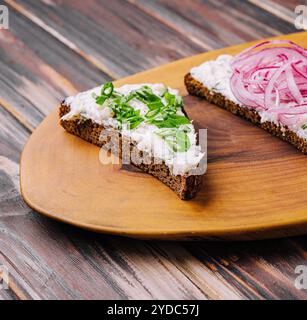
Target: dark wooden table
(54,48)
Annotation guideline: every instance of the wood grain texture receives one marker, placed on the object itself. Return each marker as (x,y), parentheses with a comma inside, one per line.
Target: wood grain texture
(38,70)
(124,28)
(285,11)
(50,260)
(216,24)
(283,6)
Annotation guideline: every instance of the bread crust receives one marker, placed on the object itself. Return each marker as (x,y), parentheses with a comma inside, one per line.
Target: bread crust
(196,88)
(185,186)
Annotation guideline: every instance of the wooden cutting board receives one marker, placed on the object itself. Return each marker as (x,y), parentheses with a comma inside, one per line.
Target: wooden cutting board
(255,186)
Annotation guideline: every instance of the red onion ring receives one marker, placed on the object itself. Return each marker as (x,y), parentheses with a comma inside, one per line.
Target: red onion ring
(272,76)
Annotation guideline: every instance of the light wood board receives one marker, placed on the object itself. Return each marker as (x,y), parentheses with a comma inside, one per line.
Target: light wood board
(255,186)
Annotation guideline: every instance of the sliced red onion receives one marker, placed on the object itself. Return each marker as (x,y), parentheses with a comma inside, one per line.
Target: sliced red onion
(272,76)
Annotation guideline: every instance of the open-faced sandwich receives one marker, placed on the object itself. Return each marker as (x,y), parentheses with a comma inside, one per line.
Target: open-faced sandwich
(266,84)
(145,124)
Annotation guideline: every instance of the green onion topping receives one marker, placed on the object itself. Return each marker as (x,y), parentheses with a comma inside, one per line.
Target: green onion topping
(162,113)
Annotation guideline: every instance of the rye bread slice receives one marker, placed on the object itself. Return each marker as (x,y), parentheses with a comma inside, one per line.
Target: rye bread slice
(185,186)
(196,88)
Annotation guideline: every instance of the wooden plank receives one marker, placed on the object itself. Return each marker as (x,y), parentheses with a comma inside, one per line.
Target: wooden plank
(138,271)
(7,295)
(60,37)
(266,268)
(39,267)
(289,4)
(216,24)
(114,33)
(285,10)
(24,245)
(38,71)
(13,136)
(16,114)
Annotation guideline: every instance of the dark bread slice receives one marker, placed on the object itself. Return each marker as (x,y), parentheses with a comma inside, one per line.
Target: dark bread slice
(186,186)
(196,88)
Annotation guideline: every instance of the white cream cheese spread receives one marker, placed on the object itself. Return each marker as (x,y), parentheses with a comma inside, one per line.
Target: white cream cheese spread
(146,136)
(216,74)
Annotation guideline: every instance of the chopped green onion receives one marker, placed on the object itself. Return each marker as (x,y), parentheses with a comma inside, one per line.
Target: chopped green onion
(176,139)
(162,113)
(107,89)
(152,113)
